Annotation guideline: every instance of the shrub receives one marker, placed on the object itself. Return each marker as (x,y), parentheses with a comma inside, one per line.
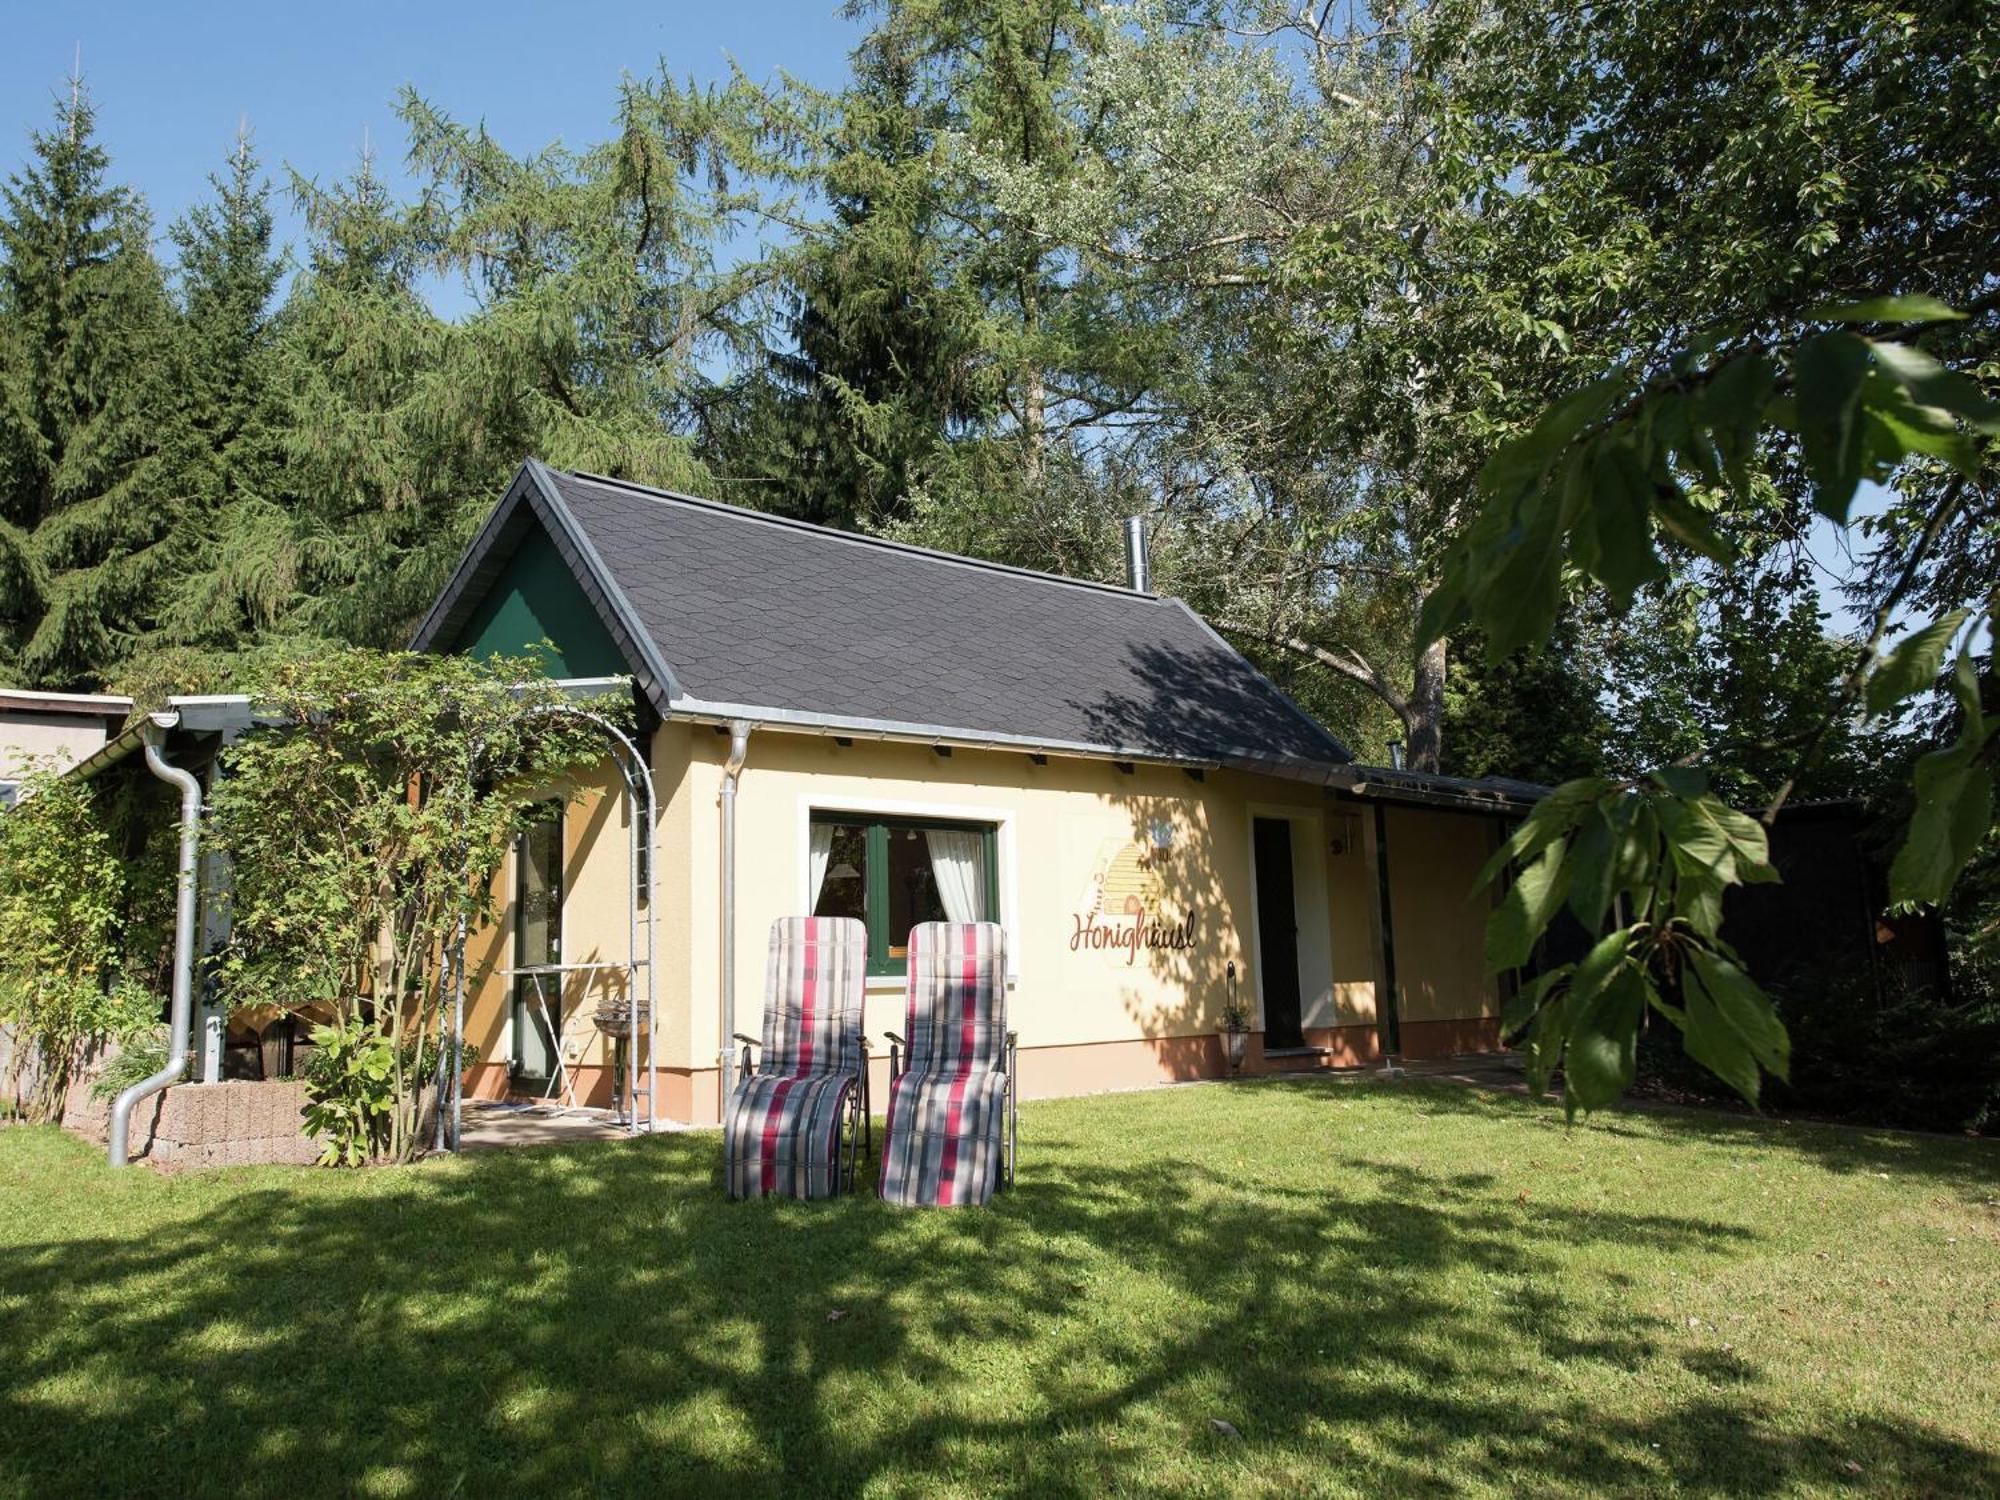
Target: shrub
(350,1091)
(1901,1058)
(143,1055)
(63,985)
(366,823)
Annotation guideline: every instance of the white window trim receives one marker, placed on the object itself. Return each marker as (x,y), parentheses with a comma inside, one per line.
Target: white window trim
(999,819)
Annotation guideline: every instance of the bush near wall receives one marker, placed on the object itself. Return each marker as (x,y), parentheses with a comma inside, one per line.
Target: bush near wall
(1901,1058)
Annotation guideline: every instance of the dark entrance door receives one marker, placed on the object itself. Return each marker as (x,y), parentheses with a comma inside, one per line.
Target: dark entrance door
(1277,933)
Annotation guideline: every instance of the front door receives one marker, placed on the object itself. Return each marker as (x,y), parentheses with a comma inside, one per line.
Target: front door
(1277,933)
(538,897)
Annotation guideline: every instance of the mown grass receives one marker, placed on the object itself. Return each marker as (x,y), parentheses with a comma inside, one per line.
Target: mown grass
(1393,1288)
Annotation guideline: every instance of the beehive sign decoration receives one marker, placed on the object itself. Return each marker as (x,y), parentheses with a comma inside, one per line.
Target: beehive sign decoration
(1124,909)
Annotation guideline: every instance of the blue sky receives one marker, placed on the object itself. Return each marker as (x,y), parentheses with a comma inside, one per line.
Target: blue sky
(171,80)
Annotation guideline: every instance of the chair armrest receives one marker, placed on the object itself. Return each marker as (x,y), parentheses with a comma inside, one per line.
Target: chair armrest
(748,1041)
(895,1038)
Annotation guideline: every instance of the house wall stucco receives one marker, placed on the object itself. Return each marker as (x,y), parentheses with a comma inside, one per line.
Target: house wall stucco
(1439,916)
(1087,1017)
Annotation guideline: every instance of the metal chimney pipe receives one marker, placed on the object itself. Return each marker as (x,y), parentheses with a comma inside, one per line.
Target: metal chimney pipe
(1396,755)
(1138,571)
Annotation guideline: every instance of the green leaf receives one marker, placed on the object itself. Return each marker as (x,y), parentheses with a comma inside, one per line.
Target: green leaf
(1698,900)
(1695,844)
(1734,405)
(1689,526)
(1534,897)
(1929,385)
(1964,685)
(1523,1004)
(1681,781)
(1827,373)
(1602,1056)
(1522,593)
(1745,1008)
(1953,815)
(1598,965)
(1911,307)
(1748,842)
(1714,1043)
(1591,865)
(1543,1044)
(1636,826)
(1913,663)
(1550,819)
(1527,458)
(1445,608)
(1621,517)
(1899,427)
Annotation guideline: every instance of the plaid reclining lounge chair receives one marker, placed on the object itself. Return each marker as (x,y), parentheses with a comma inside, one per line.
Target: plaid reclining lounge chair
(950,1133)
(783,1132)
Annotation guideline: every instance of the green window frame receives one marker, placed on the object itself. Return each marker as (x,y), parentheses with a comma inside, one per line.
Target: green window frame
(886,951)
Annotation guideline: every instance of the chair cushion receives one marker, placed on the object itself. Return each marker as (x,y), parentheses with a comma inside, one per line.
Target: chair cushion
(782,1135)
(812,996)
(942,1147)
(957,996)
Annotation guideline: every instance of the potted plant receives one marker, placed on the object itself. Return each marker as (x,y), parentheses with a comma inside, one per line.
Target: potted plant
(1235,1024)
(1235,1032)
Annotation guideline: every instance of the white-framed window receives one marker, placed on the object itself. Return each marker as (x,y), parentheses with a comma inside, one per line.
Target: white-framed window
(892,865)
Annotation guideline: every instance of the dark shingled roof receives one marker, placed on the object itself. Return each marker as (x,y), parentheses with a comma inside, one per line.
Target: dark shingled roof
(742,608)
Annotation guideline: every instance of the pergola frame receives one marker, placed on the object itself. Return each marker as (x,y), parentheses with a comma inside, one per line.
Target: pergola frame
(640,798)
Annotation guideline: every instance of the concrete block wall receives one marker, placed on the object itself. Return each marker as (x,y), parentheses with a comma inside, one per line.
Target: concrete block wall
(207,1125)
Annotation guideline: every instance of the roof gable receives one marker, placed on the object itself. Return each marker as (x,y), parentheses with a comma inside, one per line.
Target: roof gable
(535,607)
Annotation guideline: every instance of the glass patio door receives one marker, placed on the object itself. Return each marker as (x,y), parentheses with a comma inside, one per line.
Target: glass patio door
(538,899)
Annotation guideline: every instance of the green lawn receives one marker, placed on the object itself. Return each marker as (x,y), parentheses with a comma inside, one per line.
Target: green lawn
(1383,1287)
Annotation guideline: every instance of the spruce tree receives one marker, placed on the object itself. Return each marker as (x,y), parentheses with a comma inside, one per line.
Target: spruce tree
(228,276)
(837,424)
(365,477)
(87,532)
(227,462)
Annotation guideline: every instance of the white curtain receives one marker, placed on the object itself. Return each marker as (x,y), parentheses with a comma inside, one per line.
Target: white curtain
(958,865)
(822,855)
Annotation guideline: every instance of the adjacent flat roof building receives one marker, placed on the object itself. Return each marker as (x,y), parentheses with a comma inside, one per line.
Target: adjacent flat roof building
(52,729)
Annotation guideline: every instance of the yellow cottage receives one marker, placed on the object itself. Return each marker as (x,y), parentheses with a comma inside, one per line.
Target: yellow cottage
(839,725)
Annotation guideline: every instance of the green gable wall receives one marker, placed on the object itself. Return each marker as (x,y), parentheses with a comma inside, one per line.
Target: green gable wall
(535,608)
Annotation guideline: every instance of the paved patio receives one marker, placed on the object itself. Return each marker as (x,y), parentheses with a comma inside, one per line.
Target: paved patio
(489,1127)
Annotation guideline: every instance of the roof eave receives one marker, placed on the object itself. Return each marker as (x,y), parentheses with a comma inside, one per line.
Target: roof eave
(797,721)
(1372,784)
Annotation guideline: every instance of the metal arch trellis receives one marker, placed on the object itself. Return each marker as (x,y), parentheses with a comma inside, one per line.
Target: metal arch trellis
(639,793)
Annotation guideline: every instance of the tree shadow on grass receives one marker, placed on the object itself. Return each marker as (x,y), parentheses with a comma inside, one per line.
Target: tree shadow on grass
(598,1319)
(1844,1149)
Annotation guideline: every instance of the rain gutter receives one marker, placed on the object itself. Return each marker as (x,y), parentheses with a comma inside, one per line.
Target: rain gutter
(153,733)
(732,771)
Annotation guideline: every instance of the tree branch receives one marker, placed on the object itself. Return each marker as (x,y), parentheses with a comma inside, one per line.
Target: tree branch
(1343,660)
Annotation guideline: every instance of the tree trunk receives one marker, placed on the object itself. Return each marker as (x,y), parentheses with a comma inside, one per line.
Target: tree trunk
(1426,716)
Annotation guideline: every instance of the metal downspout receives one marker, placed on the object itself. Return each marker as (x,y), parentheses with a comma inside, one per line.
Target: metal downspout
(739,748)
(185,902)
